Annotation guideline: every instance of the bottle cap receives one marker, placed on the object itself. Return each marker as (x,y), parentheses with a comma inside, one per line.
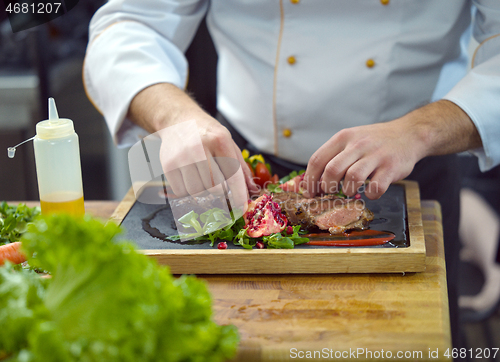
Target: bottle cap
(54,127)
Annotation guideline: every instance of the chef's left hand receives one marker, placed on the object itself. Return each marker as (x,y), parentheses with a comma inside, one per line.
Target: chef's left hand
(387,152)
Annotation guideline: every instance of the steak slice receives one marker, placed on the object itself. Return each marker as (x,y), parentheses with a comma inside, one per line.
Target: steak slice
(327,212)
(350,215)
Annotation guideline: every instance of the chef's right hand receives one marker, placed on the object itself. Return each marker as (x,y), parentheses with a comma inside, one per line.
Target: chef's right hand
(387,152)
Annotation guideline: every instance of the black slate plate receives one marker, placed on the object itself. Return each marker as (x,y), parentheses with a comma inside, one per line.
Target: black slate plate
(148,224)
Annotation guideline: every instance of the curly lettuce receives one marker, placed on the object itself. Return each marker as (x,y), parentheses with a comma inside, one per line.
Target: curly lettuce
(103,302)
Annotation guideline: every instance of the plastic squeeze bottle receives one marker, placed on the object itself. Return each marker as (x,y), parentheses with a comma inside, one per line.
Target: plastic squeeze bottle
(57,158)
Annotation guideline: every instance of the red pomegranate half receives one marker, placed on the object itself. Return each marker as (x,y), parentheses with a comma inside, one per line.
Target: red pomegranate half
(264,217)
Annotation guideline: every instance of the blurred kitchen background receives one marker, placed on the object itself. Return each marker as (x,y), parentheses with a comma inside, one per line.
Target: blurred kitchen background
(46,61)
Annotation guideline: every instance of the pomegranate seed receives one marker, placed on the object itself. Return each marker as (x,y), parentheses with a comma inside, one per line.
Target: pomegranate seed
(289,230)
(222,245)
(260,245)
(357,196)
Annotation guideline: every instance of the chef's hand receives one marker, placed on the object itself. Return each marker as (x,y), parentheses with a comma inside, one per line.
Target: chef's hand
(387,152)
(166,109)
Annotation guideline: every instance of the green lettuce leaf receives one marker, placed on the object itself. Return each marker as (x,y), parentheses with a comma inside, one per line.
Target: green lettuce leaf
(104,302)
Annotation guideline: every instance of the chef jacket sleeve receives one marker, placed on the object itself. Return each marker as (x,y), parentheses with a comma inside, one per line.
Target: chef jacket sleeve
(478,93)
(134,44)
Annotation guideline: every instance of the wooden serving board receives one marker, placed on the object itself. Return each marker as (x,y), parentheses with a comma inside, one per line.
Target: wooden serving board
(196,259)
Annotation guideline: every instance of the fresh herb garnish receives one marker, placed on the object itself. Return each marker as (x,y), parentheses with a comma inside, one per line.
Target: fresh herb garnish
(207,226)
(284,240)
(274,188)
(203,228)
(13,221)
(340,194)
(291,175)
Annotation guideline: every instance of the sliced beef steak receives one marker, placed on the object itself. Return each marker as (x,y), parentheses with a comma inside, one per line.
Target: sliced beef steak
(327,212)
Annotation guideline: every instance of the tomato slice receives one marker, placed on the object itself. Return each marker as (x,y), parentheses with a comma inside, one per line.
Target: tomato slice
(275,179)
(262,174)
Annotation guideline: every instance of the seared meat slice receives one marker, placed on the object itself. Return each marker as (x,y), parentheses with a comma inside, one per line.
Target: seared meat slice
(349,215)
(327,212)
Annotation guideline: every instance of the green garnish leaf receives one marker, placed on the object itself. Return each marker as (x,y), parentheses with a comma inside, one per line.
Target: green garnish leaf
(243,239)
(217,225)
(278,241)
(284,240)
(298,241)
(254,163)
(341,194)
(214,214)
(236,231)
(291,175)
(190,220)
(274,188)
(13,221)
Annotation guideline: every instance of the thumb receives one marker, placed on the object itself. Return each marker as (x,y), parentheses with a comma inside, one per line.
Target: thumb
(252,186)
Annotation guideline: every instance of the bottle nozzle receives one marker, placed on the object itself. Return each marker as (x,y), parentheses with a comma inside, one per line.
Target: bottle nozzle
(11,151)
(54,127)
(53,115)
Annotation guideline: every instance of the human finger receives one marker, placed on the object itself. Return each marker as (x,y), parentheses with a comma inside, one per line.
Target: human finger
(205,171)
(192,179)
(217,178)
(379,182)
(234,179)
(239,193)
(336,169)
(226,156)
(356,176)
(252,187)
(317,163)
(176,182)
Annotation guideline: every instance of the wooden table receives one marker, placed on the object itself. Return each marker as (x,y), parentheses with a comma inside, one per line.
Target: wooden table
(286,317)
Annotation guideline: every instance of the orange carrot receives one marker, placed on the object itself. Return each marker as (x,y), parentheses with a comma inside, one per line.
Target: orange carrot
(12,253)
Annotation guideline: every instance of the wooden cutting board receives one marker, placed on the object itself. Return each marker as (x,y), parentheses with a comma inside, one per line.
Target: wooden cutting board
(398,209)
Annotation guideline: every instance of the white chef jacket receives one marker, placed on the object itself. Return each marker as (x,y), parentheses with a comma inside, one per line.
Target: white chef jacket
(292,73)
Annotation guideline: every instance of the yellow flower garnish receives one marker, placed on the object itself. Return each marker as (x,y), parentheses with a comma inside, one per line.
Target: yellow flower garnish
(257,157)
(245,154)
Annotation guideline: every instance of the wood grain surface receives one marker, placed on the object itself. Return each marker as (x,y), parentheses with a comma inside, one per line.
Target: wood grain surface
(280,316)
(324,260)
(391,312)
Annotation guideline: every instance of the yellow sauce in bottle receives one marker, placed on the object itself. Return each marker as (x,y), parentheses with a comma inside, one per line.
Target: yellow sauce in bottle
(73,207)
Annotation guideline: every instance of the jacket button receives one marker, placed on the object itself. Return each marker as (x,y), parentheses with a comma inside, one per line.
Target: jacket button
(295,1)
(287,132)
(370,63)
(384,2)
(291,60)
